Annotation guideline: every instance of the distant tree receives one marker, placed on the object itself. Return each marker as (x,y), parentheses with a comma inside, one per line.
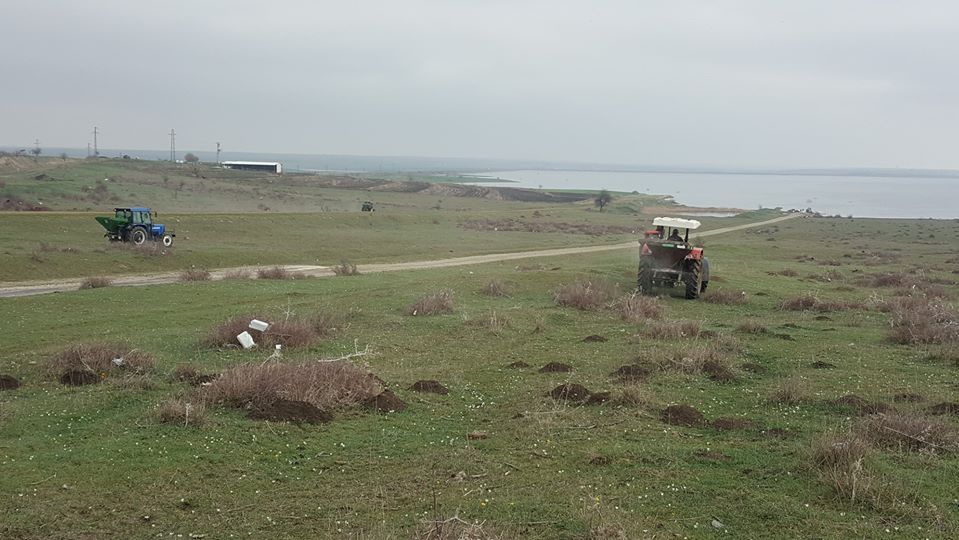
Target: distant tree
(190,158)
(63,156)
(36,151)
(603,199)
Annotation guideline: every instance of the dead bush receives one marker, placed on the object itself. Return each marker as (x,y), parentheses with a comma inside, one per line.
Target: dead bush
(810,302)
(584,294)
(638,308)
(791,391)
(290,332)
(437,303)
(495,322)
(726,297)
(97,282)
(839,458)
(236,275)
(101,359)
(345,268)
(919,320)
(633,395)
(494,287)
(909,432)
(752,327)
(672,330)
(324,385)
(178,411)
(136,382)
(195,274)
(277,272)
(719,370)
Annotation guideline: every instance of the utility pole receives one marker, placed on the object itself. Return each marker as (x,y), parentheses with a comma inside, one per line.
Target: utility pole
(217,153)
(96,152)
(88,149)
(173,145)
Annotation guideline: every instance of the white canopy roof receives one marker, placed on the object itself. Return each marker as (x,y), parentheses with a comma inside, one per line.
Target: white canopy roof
(675,222)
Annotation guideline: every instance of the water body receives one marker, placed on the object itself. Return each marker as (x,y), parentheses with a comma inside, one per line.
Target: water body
(860,196)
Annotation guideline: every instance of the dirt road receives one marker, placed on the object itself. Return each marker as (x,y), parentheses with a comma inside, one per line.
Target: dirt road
(9,290)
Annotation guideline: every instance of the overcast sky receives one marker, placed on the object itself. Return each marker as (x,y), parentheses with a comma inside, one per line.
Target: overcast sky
(754,83)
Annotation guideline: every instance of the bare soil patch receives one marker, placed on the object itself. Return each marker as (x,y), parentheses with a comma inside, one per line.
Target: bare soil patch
(819,364)
(682,415)
(631,373)
(286,410)
(430,387)
(945,407)
(598,398)
(386,401)
(9,382)
(570,392)
(556,367)
(594,339)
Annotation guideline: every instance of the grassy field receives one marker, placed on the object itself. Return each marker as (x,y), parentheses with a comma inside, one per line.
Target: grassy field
(94,461)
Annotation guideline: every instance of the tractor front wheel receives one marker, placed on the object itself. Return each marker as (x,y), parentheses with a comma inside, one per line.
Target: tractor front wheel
(645,277)
(167,240)
(138,236)
(693,279)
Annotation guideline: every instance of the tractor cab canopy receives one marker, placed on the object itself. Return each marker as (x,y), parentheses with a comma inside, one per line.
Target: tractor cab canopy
(137,215)
(668,228)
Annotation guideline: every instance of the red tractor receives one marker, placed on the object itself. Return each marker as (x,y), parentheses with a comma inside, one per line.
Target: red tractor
(667,257)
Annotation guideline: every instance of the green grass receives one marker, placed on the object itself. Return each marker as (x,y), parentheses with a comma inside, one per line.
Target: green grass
(92,462)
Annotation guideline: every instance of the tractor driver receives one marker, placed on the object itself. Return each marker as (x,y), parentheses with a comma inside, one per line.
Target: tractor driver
(674,237)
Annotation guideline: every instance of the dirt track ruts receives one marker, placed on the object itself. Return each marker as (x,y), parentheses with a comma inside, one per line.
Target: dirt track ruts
(9,290)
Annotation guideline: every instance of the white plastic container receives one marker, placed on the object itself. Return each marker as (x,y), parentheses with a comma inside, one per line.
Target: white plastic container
(258,325)
(245,339)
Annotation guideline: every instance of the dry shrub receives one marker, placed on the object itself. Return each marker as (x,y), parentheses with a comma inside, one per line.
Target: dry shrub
(921,320)
(909,432)
(810,302)
(345,268)
(688,360)
(454,528)
(178,411)
(496,322)
(494,287)
(637,307)
(633,395)
(325,385)
(136,382)
(195,274)
(752,327)
(725,297)
(718,369)
(289,332)
(186,372)
(99,358)
(672,330)
(839,459)
(788,272)
(277,272)
(236,275)
(584,294)
(437,303)
(791,391)
(96,282)
(892,279)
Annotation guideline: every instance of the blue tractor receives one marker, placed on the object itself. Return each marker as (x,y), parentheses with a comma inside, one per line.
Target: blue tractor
(135,225)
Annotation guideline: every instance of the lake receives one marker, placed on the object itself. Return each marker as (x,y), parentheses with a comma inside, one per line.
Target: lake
(860,196)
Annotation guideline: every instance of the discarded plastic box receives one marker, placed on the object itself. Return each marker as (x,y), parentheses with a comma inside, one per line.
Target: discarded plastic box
(258,325)
(245,339)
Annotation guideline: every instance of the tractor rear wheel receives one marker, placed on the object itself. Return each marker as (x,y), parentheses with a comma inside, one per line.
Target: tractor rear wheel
(167,240)
(138,236)
(645,277)
(693,278)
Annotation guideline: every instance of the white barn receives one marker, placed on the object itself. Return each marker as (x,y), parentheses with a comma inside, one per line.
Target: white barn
(271,166)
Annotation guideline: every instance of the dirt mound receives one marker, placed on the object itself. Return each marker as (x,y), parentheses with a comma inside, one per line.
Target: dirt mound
(631,373)
(595,338)
(908,397)
(598,459)
(79,377)
(718,371)
(753,367)
(819,364)
(9,382)
(822,318)
(386,401)
(430,386)
(556,367)
(518,365)
(861,406)
(598,398)
(682,415)
(732,424)
(570,392)
(945,407)
(285,410)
